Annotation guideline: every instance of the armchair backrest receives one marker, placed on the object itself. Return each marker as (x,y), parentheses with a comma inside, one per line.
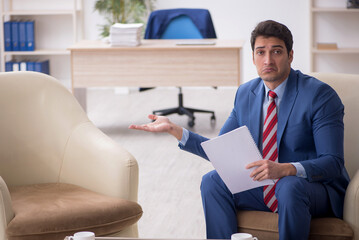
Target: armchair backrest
(38,115)
(347,85)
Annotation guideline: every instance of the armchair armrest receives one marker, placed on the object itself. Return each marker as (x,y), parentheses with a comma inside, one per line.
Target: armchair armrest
(6,211)
(351,205)
(94,161)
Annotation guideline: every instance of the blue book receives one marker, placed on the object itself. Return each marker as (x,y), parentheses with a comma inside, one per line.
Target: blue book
(37,66)
(7,36)
(8,66)
(42,67)
(30,66)
(22,36)
(30,35)
(15,36)
(47,67)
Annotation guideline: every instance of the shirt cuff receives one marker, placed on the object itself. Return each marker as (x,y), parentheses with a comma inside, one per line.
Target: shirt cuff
(300,169)
(185,136)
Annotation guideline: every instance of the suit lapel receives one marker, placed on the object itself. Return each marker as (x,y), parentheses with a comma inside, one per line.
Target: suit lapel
(286,105)
(255,112)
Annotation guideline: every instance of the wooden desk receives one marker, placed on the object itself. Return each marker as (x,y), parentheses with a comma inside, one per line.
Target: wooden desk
(156,63)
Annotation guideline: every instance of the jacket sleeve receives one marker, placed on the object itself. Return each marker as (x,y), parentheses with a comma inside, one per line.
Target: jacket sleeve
(328,133)
(193,144)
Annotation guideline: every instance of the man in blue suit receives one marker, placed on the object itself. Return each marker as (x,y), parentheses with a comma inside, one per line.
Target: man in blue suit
(309,143)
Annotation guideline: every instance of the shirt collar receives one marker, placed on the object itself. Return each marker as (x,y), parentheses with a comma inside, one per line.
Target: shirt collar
(278,90)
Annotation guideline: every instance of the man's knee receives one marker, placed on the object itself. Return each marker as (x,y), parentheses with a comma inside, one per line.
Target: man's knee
(211,182)
(292,190)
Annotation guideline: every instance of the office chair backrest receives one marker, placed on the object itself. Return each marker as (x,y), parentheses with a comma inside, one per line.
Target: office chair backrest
(181,27)
(180,23)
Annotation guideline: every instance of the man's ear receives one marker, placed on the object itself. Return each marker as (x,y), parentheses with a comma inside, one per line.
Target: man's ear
(291,56)
(253,58)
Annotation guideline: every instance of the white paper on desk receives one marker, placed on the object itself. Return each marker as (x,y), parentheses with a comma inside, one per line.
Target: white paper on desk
(229,154)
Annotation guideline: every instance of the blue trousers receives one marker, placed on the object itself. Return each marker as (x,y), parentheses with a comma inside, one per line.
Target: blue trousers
(298,201)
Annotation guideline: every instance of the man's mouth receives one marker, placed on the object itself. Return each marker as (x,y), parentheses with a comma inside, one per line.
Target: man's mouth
(268,70)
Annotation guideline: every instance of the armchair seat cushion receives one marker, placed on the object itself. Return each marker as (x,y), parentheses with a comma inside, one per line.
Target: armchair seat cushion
(264,225)
(56,210)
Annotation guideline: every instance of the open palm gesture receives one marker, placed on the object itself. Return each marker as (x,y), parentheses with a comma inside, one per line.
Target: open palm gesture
(160,124)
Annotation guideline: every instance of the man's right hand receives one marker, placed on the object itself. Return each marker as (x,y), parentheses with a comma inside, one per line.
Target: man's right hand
(160,124)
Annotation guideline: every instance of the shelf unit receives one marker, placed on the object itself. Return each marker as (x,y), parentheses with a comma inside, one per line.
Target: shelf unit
(339,13)
(47,15)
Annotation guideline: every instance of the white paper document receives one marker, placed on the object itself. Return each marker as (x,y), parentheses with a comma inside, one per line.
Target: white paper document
(229,154)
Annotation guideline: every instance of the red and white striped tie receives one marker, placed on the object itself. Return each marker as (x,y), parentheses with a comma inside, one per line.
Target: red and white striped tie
(270,149)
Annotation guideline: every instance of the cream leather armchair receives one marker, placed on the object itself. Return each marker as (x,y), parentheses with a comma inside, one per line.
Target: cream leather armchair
(59,174)
(264,224)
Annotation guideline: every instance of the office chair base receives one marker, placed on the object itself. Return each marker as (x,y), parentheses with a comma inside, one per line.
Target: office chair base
(184,111)
(181,110)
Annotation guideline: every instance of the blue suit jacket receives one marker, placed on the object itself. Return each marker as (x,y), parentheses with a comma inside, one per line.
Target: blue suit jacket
(310,130)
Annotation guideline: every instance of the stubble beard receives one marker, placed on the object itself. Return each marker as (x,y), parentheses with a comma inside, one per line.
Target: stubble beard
(276,78)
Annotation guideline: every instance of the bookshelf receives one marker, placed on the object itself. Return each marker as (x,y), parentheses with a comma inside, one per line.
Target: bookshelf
(58,25)
(332,22)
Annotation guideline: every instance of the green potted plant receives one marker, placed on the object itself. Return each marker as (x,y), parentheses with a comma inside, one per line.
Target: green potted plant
(123,11)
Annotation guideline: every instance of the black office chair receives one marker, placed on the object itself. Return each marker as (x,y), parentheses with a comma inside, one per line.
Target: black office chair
(181,24)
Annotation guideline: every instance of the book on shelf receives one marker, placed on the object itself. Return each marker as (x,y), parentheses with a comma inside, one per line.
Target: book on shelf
(19,35)
(35,66)
(7,36)
(42,66)
(327,46)
(30,36)
(8,66)
(30,66)
(22,36)
(15,67)
(22,66)
(15,36)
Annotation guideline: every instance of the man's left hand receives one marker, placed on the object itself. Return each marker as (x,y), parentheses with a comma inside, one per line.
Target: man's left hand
(267,169)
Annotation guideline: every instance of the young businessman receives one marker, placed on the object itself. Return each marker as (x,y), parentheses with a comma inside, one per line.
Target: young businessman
(297,122)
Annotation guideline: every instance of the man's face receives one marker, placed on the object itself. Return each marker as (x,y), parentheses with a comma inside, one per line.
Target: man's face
(272,60)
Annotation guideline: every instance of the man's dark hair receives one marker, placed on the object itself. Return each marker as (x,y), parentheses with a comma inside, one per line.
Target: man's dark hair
(272,28)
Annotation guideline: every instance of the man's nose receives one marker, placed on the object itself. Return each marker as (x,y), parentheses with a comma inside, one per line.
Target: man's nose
(268,59)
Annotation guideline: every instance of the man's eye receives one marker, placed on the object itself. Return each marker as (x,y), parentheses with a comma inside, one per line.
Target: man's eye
(277,51)
(260,52)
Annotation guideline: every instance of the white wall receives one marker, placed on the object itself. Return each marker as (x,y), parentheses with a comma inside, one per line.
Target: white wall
(235,19)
